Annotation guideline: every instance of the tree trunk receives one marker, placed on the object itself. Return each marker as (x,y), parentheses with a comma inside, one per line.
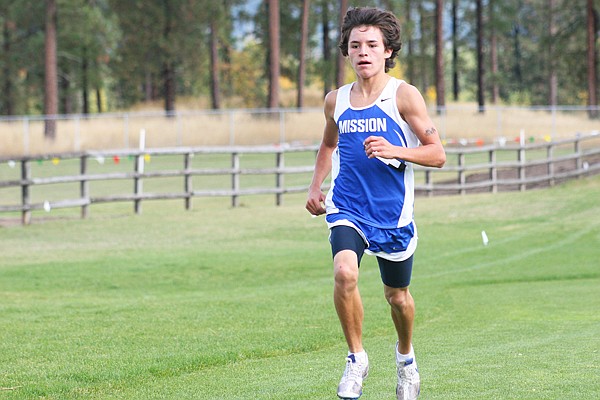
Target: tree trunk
(423,46)
(6,100)
(84,83)
(50,72)
(591,59)
(148,85)
(552,76)
(410,64)
(455,85)
(341,60)
(169,87)
(274,53)
(439,56)
(388,4)
(326,49)
(480,93)
(168,69)
(518,75)
(215,90)
(65,101)
(99,100)
(302,61)
(494,54)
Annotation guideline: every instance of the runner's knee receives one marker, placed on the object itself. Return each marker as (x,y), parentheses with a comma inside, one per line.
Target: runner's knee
(399,299)
(346,269)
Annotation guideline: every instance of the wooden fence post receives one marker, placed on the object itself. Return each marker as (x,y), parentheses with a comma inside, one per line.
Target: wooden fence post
(461,172)
(137,183)
(549,157)
(578,160)
(84,189)
(139,169)
(493,171)
(428,184)
(187,180)
(235,178)
(279,177)
(521,156)
(25,177)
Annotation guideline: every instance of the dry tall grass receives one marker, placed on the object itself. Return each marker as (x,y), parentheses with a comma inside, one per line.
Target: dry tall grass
(464,121)
(256,127)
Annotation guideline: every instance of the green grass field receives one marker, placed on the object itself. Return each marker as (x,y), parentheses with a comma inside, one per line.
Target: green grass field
(221,303)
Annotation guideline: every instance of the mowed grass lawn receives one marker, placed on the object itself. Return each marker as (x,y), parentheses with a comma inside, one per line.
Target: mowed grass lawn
(222,303)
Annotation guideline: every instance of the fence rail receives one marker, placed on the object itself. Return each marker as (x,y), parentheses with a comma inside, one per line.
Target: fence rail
(469,169)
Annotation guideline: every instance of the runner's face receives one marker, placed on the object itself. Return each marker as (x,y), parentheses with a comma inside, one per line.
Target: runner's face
(366,51)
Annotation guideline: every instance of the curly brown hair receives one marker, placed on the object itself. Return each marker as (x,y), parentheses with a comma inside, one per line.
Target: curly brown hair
(387,23)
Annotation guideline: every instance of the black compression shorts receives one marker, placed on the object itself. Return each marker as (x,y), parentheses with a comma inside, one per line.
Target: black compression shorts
(395,274)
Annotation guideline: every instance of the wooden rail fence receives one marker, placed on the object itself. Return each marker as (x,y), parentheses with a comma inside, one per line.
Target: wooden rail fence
(468,169)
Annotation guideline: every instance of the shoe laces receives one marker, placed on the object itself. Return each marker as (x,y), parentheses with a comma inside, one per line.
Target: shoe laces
(353,370)
(408,372)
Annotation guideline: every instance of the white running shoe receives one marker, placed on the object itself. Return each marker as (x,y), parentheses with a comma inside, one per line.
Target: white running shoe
(350,386)
(409,381)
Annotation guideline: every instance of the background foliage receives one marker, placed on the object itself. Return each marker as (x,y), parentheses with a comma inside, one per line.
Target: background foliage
(113,54)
